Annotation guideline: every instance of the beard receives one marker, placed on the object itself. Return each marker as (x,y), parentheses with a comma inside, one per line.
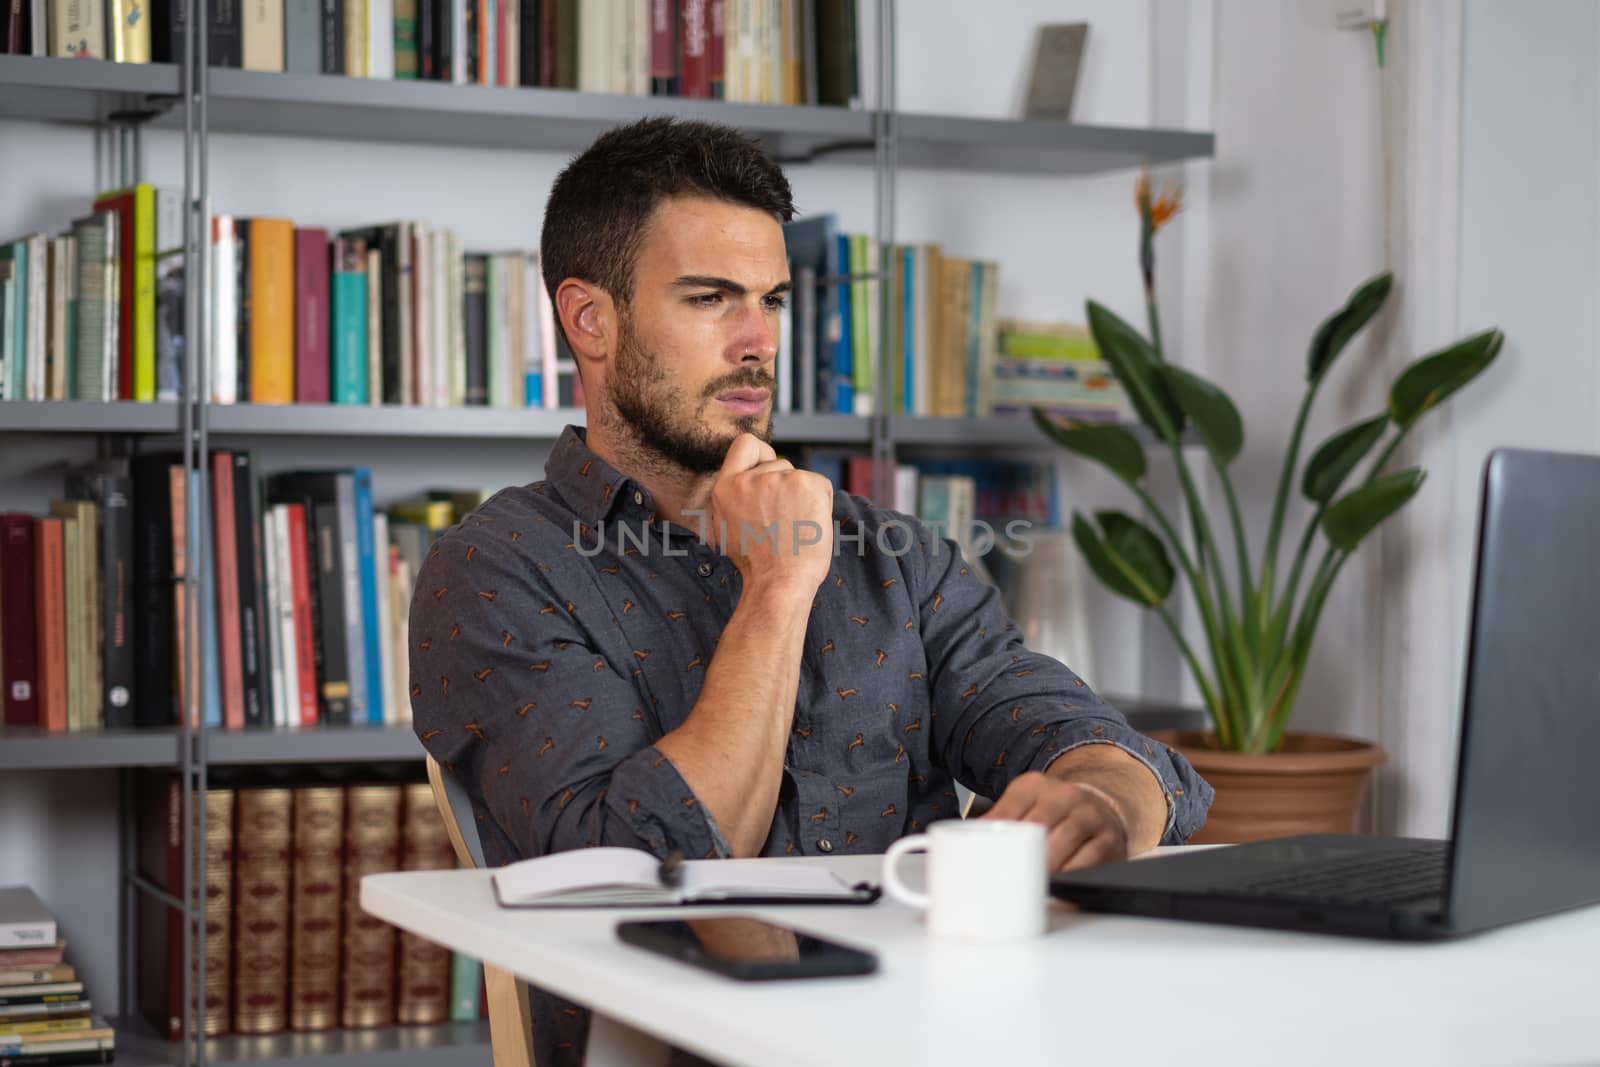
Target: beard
(665,421)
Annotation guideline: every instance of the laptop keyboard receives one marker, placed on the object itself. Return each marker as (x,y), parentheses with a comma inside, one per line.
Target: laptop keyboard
(1381,878)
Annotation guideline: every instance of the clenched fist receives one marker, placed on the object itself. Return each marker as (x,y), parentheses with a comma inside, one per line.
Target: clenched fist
(774,522)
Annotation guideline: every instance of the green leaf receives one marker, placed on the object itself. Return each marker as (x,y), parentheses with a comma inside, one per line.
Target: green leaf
(1104,564)
(1136,548)
(1359,511)
(1111,446)
(1332,463)
(1213,413)
(1427,382)
(1134,362)
(1338,329)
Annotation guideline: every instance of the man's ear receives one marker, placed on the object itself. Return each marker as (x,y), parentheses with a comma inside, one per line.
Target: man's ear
(588,316)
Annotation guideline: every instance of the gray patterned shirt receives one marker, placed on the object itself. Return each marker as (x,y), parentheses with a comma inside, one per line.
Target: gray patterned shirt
(559,631)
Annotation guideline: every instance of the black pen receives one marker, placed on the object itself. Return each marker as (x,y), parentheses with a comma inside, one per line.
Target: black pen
(671,870)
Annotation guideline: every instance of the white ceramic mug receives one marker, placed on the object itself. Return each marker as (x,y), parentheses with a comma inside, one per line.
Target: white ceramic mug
(986,877)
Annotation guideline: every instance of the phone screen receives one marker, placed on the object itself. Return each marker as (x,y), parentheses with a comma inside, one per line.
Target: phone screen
(748,949)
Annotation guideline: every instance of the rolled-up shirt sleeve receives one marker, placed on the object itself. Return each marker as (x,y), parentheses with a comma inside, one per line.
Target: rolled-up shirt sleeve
(1001,709)
(509,690)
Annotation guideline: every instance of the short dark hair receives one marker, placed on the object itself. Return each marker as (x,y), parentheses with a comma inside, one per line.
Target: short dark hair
(601,205)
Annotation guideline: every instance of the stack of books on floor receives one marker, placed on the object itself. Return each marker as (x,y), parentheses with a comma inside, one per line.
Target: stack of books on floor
(287,946)
(46,1018)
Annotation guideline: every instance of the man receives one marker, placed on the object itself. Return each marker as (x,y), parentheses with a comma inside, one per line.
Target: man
(678,641)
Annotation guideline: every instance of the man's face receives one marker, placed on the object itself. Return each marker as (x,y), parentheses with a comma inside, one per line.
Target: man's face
(695,347)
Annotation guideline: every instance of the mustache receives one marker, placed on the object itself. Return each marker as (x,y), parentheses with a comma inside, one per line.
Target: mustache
(752,379)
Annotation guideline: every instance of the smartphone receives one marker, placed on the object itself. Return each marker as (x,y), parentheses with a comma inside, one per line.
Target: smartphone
(751,950)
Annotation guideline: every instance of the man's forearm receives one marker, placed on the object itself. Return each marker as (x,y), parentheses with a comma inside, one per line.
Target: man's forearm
(730,749)
(1134,789)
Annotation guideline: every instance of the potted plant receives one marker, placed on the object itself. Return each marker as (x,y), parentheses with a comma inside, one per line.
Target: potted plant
(1258,621)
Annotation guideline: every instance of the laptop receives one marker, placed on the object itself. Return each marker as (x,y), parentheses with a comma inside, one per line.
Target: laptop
(1524,839)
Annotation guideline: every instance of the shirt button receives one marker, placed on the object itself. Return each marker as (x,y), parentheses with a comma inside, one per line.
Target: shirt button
(638,498)
(704,569)
(825,845)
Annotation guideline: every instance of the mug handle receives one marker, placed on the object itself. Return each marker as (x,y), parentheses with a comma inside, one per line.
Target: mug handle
(891,876)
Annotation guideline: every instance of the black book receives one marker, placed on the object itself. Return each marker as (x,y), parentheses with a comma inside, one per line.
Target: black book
(530,43)
(242,288)
(333,36)
(566,75)
(318,492)
(154,654)
(252,593)
(836,52)
(468,52)
(225,41)
(166,31)
(427,26)
(109,483)
(444,43)
(475,324)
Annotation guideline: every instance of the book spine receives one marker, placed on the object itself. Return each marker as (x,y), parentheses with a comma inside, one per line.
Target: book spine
(424,965)
(18,651)
(136,369)
(547,42)
(347,546)
(117,639)
(529,45)
(226,592)
(216,885)
(331,35)
(253,622)
(311,316)
(695,53)
(225,304)
(262,35)
(366,561)
(277,710)
(152,596)
(272,323)
(316,909)
(303,608)
(244,298)
(53,674)
(372,844)
(349,297)
(405,39)
(225,40)
(333,669)
(261,910)
(75,650)
(474,313)
(80,30)
(302,36)
(384,621)
(445,36)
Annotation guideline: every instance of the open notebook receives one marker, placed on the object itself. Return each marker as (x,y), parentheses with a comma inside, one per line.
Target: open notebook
(626,877)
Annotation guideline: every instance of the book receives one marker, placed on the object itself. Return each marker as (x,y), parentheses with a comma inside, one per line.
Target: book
(316,907)
(372,844)
(24,923)
(626,877)
(18,656)
(263,855)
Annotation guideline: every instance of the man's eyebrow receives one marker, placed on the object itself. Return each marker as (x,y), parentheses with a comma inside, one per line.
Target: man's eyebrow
(711,281)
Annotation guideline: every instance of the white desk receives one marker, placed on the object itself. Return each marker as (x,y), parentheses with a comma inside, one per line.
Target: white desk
(1096,990)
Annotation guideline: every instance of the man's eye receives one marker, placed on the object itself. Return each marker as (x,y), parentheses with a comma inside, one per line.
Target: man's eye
(777,303)
(705,299)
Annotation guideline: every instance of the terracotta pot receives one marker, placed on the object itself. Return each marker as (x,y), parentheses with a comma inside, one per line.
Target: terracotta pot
(1311,785)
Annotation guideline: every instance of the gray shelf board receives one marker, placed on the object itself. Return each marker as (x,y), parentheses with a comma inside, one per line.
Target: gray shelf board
(322,744)
(351,420)
(1036,147)
(444,1045)
(31,748)
(82,90)
(87,416)
(511,424)
(990,431)
(319,105)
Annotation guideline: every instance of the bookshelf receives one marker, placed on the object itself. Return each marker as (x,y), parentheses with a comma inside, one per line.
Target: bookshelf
(130,98)
(559,120)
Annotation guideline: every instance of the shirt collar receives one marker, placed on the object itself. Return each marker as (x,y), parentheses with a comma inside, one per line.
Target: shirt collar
(591,487)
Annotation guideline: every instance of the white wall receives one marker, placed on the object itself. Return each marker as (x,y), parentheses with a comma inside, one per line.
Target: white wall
(1526,260)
